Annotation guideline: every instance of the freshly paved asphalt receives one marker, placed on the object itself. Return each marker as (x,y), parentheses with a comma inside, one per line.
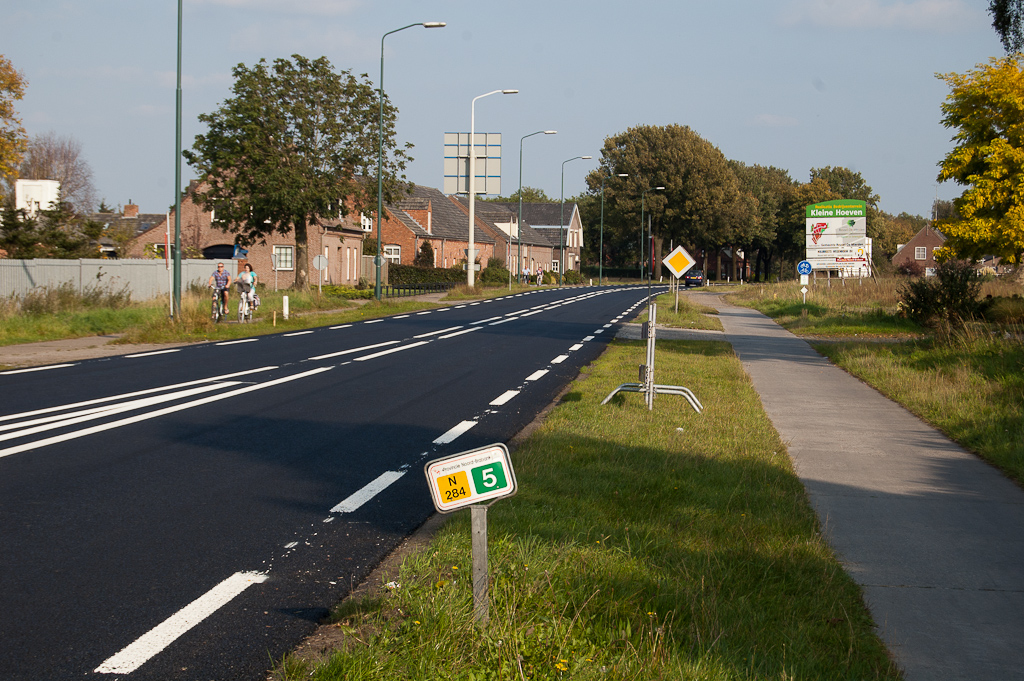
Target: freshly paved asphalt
(934,536)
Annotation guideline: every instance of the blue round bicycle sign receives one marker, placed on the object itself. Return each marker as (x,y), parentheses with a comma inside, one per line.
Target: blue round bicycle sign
(803,267)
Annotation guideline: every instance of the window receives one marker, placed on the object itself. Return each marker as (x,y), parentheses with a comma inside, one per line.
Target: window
(284,257)
(554,265)
(393,253)
(920,253)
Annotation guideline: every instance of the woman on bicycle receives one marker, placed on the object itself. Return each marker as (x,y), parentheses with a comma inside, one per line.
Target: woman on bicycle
(252,283)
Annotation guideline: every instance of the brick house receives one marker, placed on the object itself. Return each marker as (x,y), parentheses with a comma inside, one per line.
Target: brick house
(339,239)
(546,219)
(502,224)
(426,214)
(920,251)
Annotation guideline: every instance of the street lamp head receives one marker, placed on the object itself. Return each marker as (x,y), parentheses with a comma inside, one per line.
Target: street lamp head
(659,188)
(510,92)
(623,175)
(586,157)
(434,24)
(550,132)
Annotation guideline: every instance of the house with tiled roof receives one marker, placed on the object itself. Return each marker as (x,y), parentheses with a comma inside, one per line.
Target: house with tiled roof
(339,239)
(919,252)
(514,241)
(426,214)
(119,228)
(549,219)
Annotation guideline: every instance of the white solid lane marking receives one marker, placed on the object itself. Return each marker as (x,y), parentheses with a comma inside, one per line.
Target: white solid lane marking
(31,369)
(489,319)
(388,352)
(502,321)
(155,352)
(434,333)
(359,349)
(64,420)
(354,501)
(454,433)
(153,642)
(244,340)
(536,374)
(297,333)
(459,333)
(155,414)
(504,398)
(149,391)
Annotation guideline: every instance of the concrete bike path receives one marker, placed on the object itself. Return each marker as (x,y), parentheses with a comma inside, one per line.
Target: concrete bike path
(934,536)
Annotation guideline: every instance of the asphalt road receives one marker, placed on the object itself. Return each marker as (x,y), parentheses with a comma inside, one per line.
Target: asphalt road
(191,513)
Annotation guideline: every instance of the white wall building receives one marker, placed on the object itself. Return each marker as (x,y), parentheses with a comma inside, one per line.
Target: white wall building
(36,195)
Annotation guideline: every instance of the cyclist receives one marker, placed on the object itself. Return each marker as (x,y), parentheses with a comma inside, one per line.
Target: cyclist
(249,275)
(221,280)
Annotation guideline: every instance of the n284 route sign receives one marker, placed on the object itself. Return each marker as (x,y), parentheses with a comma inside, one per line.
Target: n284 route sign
(471,477)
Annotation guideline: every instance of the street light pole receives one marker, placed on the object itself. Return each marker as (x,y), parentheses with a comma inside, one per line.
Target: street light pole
(650,265)
(600,257)
(561,221)
(519,234)
(380,143)
(176,283)
(471,185)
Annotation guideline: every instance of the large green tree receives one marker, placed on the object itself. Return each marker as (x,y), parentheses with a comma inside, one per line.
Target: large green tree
(12,135)
(295,144)
(701,205)
(1008,21)
(768,188)
(986,108)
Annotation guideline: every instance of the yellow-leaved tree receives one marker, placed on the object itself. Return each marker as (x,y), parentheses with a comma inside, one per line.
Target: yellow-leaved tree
(12,135)
(986,107)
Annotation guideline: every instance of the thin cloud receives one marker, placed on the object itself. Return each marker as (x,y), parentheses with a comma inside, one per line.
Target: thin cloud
(916,15)
(295,7)
(773,121)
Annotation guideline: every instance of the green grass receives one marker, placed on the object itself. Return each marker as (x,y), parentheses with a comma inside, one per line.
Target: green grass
(970,386)
(641,545)
(690,316)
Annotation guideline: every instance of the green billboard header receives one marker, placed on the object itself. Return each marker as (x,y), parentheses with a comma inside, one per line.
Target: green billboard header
(843,208)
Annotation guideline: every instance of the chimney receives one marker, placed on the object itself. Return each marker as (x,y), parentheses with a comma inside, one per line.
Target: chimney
(131,210)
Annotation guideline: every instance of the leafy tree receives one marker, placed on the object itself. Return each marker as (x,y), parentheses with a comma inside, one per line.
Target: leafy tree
(846,184)
(52,157)
(701,204)
(1008,21)
(425,258)
(296,143)
(530,195)
(768,188)
(943,209)
(12,135)
(54,233)
(986,108)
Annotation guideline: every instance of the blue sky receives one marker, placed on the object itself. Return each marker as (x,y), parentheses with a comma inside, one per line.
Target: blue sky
(794,83)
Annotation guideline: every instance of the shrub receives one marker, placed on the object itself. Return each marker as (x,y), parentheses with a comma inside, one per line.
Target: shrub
(494,275)
(425,258)
(910,268)
(399,275)
(952,296)
(572,277)
(347,292)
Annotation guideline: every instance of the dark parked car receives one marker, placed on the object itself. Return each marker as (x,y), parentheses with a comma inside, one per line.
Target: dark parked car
(693,278)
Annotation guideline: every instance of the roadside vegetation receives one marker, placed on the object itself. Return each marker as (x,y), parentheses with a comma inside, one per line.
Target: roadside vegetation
(641,545)
(965,376)
(691,315)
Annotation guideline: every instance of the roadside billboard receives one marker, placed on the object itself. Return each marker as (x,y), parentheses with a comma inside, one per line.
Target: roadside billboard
(836,237)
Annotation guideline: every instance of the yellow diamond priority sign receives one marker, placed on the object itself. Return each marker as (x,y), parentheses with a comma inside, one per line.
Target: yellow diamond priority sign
(678,261)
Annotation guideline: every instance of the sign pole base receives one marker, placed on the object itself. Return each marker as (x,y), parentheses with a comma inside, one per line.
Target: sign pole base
(478,519)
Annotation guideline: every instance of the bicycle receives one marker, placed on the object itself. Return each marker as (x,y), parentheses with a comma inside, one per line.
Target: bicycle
(218,310)
(244,308)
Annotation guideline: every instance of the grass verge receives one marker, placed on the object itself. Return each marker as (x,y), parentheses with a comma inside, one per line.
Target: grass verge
(970,386)
(690,316)
(641,545)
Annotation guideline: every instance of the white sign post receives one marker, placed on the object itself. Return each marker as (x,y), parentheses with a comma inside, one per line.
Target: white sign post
(472,478)
(320,264)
